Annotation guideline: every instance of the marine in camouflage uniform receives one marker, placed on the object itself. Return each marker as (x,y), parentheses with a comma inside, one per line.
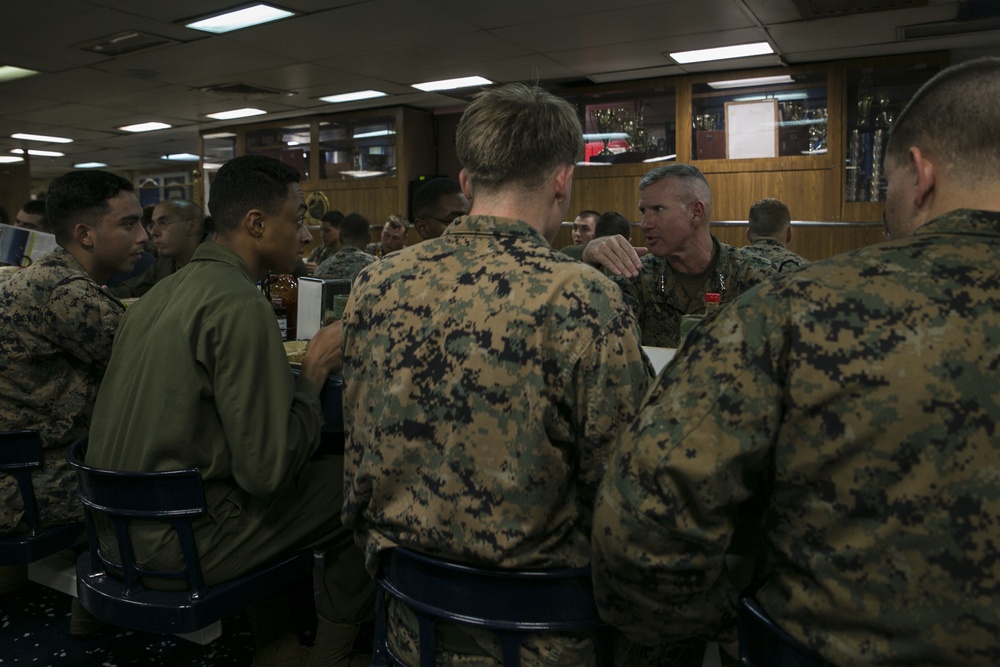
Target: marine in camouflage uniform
(856,397)
(775,252)
(55,343)
(659,298)
(345,263)
(486,377)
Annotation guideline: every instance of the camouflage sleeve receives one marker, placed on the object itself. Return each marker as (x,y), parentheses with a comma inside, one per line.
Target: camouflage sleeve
(612,379)
(665,511)
(632,291)
(84,318)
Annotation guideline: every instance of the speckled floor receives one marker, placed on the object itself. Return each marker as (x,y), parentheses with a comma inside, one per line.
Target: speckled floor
(34,630)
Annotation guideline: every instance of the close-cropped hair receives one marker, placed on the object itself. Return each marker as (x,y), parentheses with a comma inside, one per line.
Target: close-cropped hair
(81,196)
(246,183)
(355,229)
(34,207)
(611,223)
(516,135)
(769,217)
(955,117)
(186,209)
(395,222)
(688,174)
(427,196)
(332,218)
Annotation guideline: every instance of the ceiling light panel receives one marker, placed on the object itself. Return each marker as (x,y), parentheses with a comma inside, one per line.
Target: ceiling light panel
(239,19)
(236,113)
(722,53)
(41,137)
(452,84)
(144,127)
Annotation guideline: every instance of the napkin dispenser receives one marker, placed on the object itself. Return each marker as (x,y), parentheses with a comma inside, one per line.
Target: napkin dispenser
(318,303)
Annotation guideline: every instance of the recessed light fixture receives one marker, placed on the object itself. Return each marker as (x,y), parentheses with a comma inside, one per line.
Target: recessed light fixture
(181,157)
(144,127)
(353,97)
(41,137)
(240,18)
(218,135)
(753,81)
(451,84)
(722,53)
(9,73)
(32,151)
(9,159)
(236,113)
(88,165)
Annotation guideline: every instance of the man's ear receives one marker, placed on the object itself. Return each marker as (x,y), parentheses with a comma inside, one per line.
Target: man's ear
(697,209)
(253,221)
(926,178)
(421,226)
(563,181)
(463,181)
(84,234)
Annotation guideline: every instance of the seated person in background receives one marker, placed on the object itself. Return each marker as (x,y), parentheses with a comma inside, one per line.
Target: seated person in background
(685,260)
(329,236)
(32,216)
(857,396)
(177,229)
(393,237)
(612,223)
(351,258)
(583,233)
(218,395)
(769,231)
(58,325)
(481,399)
(436,204)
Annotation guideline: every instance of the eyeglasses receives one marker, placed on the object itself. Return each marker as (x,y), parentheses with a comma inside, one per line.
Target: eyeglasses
(162,223)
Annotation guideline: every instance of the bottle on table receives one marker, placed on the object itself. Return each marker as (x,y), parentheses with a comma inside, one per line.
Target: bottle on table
(713,301)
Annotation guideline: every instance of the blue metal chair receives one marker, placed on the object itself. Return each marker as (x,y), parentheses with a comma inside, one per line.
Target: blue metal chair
(20,453)
(764,644)
(511,603)
(113,587)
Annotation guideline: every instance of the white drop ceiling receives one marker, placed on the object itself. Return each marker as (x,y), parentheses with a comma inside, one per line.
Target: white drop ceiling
(337,46)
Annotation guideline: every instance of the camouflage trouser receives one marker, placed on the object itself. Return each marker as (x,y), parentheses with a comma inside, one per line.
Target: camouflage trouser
(472,647)
(55,489)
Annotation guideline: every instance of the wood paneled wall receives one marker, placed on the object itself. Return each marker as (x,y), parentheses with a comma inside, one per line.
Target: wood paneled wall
(15,187)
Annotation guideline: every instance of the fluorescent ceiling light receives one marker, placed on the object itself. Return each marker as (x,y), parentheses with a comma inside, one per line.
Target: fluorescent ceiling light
(609,136)
(722,53)
(218,135)
(9,73)
(88,165)
(241,18)
(32,151)
(753,81)
(353,97)
(144,127)
(41,137)
(236,113)
(781,97)
(376,133)
(8,159)
(451,84)
(181,157)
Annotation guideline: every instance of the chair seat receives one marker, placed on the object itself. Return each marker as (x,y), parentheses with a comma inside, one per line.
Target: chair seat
(177,612)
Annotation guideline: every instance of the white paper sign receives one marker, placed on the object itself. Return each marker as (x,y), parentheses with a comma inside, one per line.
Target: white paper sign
(751,129)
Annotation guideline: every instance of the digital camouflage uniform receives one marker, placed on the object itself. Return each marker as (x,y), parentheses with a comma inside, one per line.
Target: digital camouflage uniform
(659,300)
(345,263)
(55,342)
(783,258)
(858,398)
(486,377)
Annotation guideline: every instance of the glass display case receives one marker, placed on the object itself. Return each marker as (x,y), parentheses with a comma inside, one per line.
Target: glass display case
(357,147)
(290,144)
(634,126)
(876,94)
(759,117)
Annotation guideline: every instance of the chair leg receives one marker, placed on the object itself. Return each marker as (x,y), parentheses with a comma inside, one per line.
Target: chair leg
(428,643)
(510,644)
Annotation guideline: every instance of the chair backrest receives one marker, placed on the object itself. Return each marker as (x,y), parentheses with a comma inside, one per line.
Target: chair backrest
(20,453)
(511,603)
(174,497)
(764,644)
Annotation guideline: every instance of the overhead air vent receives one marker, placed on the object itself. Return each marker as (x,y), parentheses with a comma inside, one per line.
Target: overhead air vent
(125,42)
(244,90)
(823,9)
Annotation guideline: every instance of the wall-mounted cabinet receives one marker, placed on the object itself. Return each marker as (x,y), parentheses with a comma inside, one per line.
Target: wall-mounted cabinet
(359,161)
